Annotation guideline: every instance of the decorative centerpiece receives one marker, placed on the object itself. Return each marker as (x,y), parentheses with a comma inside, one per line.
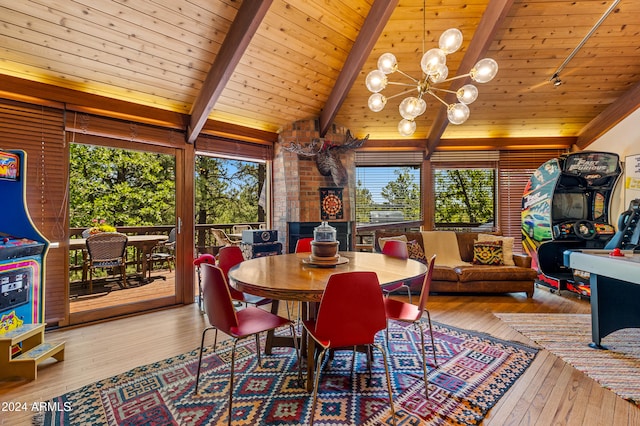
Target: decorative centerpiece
(324,247)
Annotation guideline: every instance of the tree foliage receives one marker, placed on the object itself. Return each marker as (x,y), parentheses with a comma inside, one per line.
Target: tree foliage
(227,191)
(464,195)
(401,194)
(123,187)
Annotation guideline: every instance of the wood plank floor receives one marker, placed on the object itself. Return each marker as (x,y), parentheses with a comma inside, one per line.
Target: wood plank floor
(549,393)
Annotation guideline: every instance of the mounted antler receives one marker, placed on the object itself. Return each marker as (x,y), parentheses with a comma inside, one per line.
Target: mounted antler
(327,155)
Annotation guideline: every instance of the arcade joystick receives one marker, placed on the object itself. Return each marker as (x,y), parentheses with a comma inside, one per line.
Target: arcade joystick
(616,252)
(5,240)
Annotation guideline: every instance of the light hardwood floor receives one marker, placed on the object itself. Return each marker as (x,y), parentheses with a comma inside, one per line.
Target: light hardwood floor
(550,392)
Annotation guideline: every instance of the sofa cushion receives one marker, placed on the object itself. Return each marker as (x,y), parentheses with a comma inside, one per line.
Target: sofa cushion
(415,251)
(487,253)
(444,273)
(507,246)
(494,273)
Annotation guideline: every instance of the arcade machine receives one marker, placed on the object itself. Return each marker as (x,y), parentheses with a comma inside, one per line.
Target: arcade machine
(565,206)
(22,249)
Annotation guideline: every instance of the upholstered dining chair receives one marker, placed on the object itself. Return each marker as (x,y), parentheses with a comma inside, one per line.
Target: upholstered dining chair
(350,314)
(228,257)
(247,322)
(303,245)
(397,249)
(107,250)
(406,312)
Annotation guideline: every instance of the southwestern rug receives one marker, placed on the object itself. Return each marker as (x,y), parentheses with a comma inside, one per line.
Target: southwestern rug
(475,370)
(568,336)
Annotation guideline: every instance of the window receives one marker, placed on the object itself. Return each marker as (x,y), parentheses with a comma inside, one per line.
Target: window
(388,194)
(464,197)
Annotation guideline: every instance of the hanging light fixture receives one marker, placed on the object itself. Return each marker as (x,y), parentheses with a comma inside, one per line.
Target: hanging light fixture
(435,71)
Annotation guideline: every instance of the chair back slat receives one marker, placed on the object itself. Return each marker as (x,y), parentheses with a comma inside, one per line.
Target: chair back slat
(351,309)
(396,248)
(303,245)
(426,284)
(217,299)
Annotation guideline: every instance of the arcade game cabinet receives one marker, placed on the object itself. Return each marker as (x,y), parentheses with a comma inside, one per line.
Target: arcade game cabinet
(22,249)
(565,206)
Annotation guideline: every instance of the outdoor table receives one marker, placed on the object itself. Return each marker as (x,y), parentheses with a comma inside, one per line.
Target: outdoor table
(144,244)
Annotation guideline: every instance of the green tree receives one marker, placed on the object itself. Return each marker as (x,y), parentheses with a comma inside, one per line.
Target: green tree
(403,194)
(464,195)
(124,187)
(364,203)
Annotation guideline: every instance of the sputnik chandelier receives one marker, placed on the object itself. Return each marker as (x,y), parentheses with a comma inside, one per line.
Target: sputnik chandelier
(435,72)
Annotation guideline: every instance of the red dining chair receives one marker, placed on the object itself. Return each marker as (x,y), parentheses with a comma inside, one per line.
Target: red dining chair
(397,249)
(350,314)
(228,257)
(197,262)
(303,245)
(247,322)
(409,313)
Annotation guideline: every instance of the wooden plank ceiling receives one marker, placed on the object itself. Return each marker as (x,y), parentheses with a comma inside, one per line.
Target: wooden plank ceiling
(260,64)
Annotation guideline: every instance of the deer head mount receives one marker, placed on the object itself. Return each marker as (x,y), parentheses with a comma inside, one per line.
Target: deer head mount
(327,155)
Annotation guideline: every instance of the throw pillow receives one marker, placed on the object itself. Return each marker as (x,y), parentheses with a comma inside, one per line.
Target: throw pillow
(507,246)
(415,251)
(487,253)
(383,240)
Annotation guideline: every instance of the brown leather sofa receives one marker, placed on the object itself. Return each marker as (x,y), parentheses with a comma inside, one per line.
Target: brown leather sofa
(473,278)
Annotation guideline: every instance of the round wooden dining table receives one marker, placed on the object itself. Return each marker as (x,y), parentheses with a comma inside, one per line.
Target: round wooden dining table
(291,277)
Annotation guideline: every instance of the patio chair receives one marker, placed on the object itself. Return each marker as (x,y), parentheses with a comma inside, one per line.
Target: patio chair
(397,249)
(350,314)
(107,250)
(247,322)
(222,239)
(407,312)
(237,229)
(163,253)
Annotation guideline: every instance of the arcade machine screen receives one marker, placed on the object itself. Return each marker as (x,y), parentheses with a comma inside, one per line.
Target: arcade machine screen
(568,198)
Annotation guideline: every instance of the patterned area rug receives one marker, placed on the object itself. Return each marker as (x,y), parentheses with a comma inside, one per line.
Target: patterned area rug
(475,371)
(568,336)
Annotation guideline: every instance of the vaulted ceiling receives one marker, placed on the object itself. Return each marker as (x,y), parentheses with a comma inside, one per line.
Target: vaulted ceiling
(260,64)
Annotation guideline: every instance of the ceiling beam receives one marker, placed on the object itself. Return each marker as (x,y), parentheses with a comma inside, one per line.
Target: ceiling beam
(612,115)
(488,27)
(244,26)
(373,26)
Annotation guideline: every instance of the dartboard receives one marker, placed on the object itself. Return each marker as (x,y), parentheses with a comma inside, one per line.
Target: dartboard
(331,204)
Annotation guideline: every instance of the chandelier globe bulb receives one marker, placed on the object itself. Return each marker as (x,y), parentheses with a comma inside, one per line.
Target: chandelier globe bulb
(387,63)
(450,40)
(440,73)
(467,94)
(431,59)
(406,127)
(484,70)
(376,81)
(377,102)
(410,108)
(457,113)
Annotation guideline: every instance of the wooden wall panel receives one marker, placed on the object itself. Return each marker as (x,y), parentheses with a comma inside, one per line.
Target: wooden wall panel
(38,130)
